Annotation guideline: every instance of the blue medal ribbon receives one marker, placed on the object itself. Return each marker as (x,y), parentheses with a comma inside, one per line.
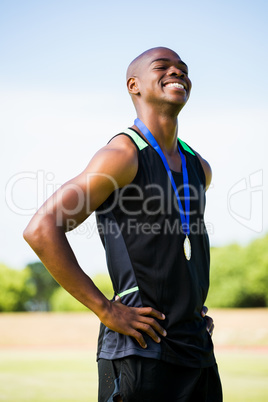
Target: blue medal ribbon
(185,216)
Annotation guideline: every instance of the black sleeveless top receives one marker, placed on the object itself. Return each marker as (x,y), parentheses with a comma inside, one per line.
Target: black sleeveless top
(140,228)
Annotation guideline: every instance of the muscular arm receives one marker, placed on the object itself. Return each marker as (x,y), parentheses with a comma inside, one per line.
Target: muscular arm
(113,166)
(207,169)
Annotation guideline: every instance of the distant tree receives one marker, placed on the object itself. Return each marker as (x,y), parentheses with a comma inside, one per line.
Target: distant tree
(63,301)
(15,288)
(239,275)
(44,285)
(239,278)
(256,257)
(227,277)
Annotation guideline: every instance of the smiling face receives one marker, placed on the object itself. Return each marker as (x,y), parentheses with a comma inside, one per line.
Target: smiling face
(159,77)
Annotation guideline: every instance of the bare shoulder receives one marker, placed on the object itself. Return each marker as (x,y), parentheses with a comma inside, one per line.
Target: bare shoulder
(207,169)
(118,159)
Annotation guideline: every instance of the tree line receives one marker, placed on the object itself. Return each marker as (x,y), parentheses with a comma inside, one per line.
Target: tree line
(238,278)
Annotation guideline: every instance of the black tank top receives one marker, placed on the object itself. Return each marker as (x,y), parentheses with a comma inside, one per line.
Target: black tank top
(140,228)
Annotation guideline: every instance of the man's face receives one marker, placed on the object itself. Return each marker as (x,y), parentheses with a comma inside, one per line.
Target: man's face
(163,77)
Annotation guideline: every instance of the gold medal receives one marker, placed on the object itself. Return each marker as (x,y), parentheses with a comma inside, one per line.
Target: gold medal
(187,248)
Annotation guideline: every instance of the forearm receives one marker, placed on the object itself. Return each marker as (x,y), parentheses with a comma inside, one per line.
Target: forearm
(52,247)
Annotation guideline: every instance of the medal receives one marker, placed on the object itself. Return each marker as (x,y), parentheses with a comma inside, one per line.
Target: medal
(187,248)
(185,216)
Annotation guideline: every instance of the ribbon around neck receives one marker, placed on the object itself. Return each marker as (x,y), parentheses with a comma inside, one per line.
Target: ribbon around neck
(184,215)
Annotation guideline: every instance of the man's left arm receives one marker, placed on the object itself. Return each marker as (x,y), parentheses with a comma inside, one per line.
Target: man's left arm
(208,174)
(207,169)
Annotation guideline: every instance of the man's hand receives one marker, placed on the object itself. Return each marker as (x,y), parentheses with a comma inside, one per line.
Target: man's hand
(210,323)
(134,320)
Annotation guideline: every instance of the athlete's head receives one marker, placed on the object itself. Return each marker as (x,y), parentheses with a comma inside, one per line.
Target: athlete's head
(158,75)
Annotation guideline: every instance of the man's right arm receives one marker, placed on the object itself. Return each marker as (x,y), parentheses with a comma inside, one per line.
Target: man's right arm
(113,166)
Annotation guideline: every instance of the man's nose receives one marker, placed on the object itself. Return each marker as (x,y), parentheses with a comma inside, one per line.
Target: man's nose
(175,71)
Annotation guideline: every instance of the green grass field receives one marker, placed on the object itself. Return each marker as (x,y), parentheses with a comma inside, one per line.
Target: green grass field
(51,357)
(48,375)
(244,376)
(52,375)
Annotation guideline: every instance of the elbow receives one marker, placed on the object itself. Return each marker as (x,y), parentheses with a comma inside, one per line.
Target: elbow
(27,234)
(35,232)
(40,232)
(32,234)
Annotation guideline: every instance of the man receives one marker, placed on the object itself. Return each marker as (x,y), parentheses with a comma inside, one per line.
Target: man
(148,191)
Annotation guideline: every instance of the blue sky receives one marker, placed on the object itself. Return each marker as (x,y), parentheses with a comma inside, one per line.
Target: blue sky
(63,95)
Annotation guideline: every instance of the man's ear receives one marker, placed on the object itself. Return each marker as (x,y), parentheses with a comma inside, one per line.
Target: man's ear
(133,86)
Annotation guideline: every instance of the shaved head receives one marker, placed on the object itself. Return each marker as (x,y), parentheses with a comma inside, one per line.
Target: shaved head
(136,65)
(148,76)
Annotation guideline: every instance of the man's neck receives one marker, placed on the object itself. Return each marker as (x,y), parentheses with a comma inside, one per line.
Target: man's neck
(164,129)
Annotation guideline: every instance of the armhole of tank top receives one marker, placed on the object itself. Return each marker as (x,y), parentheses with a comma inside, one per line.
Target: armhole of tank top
(202,172)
